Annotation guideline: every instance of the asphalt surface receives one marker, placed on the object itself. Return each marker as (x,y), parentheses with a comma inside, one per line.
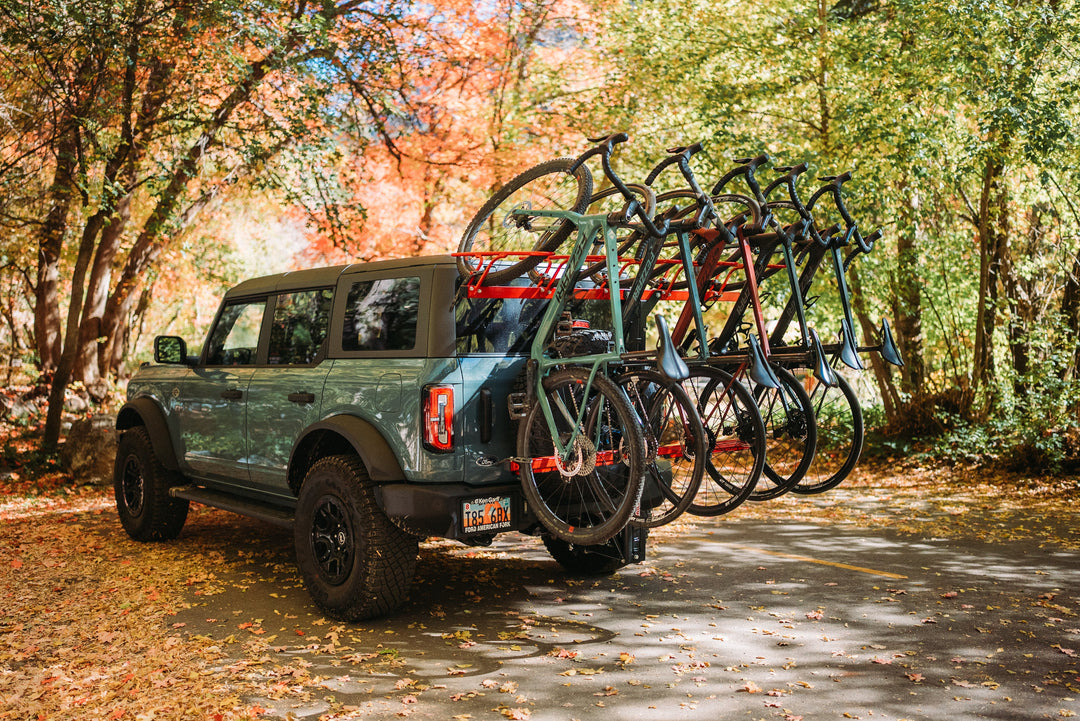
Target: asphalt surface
(725,620)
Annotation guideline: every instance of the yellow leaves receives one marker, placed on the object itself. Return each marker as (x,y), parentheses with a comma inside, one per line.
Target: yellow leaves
(751,687)
(582,671)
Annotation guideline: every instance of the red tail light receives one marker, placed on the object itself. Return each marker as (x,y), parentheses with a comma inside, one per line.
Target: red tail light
(439,418)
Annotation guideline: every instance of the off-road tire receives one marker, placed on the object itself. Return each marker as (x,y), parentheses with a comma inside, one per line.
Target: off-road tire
(141,488)
(356,564)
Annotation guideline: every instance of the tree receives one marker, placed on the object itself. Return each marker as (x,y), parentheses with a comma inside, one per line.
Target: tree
(484,105)
(147,109)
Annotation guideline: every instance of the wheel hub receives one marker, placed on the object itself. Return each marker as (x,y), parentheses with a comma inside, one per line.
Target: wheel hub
(331,540)
(133,486)
(580,458)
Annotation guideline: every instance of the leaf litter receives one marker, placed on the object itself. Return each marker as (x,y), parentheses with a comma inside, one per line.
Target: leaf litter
(88,628)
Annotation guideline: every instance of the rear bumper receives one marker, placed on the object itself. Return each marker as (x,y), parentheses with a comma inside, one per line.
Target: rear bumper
(454,510)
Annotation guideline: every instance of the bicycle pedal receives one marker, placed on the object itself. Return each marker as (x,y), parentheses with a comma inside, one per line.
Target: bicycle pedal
(518,405)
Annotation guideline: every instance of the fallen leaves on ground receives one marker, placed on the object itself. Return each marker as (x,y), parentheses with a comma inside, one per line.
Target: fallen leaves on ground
(943,502)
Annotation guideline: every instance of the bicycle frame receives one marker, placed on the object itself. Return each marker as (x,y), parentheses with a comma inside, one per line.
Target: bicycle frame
(588,227)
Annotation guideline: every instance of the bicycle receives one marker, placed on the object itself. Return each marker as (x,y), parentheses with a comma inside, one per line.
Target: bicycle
(836,405)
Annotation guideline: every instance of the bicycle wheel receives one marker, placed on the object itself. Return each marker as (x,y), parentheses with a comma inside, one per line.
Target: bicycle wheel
(496,227)
(790,435)
(611,200)
(588,497)
(840,435)
(736,440)
(675,446)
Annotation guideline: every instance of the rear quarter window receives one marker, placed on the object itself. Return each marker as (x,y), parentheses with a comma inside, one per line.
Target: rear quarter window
(381,315)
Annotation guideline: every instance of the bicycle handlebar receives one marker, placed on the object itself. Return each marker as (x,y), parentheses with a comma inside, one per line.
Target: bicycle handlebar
(832,186)
(837,179)
(604,147)
(681,156)
(678,155)
(746,167)
(790,173)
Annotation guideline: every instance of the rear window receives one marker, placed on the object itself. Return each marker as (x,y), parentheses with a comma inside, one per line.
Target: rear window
(507,325)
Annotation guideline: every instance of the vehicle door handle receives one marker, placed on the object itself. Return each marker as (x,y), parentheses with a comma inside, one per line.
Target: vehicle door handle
(302,397)
(233,394)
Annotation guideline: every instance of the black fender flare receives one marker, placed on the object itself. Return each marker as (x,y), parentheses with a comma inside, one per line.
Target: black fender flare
(364,438)
(147,413)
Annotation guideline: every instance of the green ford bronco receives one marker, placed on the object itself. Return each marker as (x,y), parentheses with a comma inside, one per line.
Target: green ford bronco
(363,406)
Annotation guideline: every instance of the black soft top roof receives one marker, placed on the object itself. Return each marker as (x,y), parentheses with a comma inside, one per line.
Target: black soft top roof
(325,277)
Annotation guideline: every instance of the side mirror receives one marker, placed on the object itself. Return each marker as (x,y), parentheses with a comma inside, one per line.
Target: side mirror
(170,349)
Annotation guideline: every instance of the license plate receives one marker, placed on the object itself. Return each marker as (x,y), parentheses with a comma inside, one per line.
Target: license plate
(483,515)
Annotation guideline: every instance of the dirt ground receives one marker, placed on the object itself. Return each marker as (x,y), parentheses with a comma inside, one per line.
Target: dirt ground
(93,625)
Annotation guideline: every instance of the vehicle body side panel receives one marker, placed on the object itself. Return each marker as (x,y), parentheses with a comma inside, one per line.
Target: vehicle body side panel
(212,425)
(274,422)
(365,388)
(150,411)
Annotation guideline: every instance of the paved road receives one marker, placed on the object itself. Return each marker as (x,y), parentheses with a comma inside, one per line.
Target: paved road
(732,620)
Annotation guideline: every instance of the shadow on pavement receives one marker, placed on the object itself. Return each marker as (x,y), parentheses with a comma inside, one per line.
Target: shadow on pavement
(735,619)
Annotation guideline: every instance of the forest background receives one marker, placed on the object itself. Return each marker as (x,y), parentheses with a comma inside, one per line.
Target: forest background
(154,152)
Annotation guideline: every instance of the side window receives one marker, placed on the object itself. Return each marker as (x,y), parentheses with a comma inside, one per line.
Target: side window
(235,338)
(381,315)
(301,322)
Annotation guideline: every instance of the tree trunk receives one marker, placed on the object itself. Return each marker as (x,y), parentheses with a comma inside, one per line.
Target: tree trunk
(991,201)
(61,195)
(908,308)
(88,364)
(822,76)
(1070,312)
(1019,294)
(67,359)
(890,396)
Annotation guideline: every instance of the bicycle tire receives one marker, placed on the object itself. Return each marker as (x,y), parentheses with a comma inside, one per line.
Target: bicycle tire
(547,186)
(675,444)
(790,435)
(736,440)
(593,497)
(841,436)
